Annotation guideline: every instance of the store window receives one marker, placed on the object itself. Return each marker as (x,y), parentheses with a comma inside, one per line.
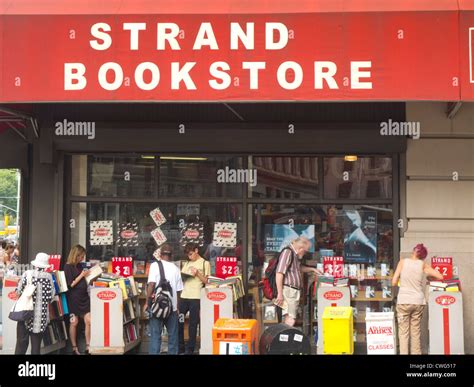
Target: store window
(283,177)
(112,176)
(361,234)
(353,177)
(101,227)
(201,177)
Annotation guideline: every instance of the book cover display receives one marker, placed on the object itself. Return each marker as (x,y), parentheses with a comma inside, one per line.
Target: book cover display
(101,233)
(360,235)
(127,234)
(192,233)
(225,234)
(278,236)
(158,236)
(157,216)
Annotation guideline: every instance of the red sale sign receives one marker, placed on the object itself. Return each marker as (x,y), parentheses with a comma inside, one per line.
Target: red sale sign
(54,262)
(444,265)
(122,266)
(226,267)
(334,266)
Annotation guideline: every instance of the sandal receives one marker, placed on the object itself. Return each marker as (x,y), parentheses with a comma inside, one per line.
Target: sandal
(75,351)
(87,352)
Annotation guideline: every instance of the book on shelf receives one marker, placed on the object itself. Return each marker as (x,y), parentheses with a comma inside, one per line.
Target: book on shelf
(55,283)
(120,284)
(64,303)
(101,284)
(133,286)
(139,267)
(147,268)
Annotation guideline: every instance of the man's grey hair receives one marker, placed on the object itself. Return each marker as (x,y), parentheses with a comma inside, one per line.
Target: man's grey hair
(301,242)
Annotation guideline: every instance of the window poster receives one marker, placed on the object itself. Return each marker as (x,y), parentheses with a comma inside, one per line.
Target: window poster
(158,216)
(158,236)
(101,233)
(360,235)
(127,234)
(225,234)
(192,233)
(278,236)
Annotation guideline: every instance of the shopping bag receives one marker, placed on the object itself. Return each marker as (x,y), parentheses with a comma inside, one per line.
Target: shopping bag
(23,308)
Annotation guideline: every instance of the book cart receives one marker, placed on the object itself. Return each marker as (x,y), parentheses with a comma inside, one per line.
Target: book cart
(55,336)
(115,324)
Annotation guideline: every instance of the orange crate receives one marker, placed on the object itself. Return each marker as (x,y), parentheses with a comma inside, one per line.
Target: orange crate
(234,337)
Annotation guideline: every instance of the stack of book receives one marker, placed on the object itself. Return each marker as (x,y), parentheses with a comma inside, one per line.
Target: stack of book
(451,285)
(234,281)
(330,281)
(127,285)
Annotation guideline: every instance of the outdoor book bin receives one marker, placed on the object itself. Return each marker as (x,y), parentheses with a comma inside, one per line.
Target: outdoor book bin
(338,330)
(235,337)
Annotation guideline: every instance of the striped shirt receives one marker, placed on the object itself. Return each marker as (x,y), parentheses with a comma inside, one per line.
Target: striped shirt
(291,272)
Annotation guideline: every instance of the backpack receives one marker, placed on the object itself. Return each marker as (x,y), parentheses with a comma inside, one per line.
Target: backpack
(270,290)
(162,303)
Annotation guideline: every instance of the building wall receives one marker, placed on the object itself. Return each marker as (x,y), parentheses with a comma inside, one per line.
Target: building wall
(439,209)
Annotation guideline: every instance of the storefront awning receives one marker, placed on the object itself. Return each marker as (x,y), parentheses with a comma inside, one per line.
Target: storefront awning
(234,50)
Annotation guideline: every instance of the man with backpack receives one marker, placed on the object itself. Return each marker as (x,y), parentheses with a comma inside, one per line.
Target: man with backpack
(164,284)
(288,278)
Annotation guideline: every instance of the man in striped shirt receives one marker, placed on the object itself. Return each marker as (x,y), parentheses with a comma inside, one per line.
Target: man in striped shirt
(289,280)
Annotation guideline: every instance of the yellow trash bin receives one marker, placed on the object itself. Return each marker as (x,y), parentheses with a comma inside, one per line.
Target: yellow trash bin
(338,330)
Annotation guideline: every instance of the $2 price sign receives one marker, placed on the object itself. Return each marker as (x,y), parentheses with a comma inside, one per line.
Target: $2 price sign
(444,265)
(334,266)
(226,267)
(122,266)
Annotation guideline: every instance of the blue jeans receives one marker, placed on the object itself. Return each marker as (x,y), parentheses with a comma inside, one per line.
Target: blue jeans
(156,328)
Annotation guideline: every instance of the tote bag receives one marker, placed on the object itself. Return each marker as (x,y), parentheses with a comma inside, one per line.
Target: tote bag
(23,308)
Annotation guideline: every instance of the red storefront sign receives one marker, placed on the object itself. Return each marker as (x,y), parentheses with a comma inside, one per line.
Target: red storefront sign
(325,50)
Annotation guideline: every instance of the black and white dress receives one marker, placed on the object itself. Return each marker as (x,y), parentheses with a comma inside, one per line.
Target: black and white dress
(42,297)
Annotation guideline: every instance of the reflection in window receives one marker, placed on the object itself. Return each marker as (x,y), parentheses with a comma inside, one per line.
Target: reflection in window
(112,176)
(365,178)
(134,220)
(197,177)
(286,177)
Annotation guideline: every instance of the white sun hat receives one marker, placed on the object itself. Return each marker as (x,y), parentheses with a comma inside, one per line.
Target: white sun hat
(41,261)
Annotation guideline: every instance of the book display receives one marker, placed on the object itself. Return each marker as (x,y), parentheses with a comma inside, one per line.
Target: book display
(55,337)
(115,314)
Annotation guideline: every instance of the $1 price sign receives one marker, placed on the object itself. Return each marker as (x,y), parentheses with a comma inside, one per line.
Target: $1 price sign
(226,267)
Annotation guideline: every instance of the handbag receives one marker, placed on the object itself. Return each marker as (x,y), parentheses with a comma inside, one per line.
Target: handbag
(23,308)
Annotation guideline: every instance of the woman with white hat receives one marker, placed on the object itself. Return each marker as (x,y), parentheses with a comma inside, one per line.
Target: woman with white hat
(42,297)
